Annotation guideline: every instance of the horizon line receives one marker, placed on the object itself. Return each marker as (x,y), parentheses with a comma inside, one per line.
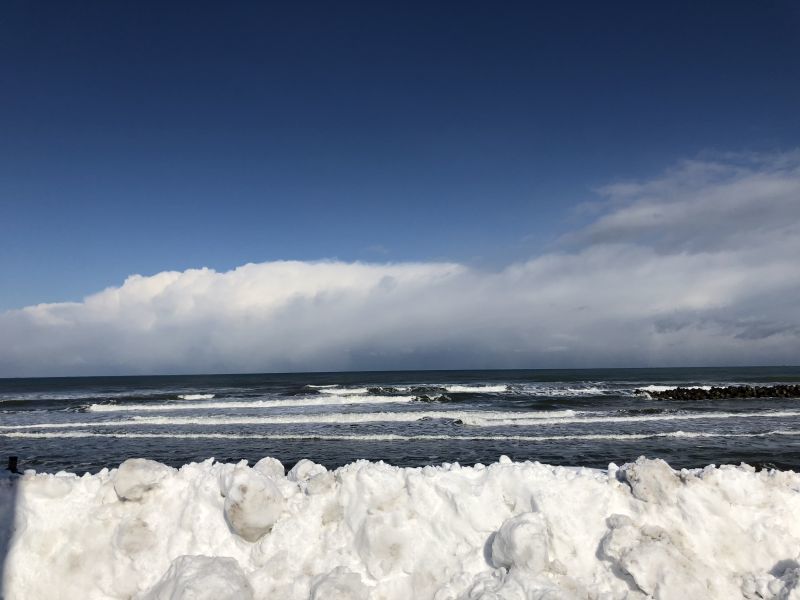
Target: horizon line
(277,373)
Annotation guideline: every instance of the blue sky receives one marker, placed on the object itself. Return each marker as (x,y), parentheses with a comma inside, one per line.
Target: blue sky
(150,136)
(247,186)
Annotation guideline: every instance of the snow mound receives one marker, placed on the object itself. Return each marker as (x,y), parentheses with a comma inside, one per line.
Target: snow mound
(522,542)
(651,480)
(137,476)
(506,531)
(253,503)
(305,470)
(270,467)
(339,584)
(202,578)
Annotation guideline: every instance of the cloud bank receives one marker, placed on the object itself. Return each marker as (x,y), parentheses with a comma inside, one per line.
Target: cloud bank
(700,266)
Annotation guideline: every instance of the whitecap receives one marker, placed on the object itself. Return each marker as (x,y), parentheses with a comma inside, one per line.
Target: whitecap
(666,388)
(233,404)
(392,437)
(476,389)
(344,391)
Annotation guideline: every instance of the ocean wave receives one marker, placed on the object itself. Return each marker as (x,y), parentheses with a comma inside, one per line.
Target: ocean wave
(233,404)
(470,418)
(392,437)
(344,391)
(324,418)
(195,396)
(665,388)
(478,420)
(545,389)
(412,389)
(475,389)
(84,395)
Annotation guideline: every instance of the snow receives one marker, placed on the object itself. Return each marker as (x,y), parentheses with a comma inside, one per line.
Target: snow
(137,476)
(202,578)
(368,530)
(253,503)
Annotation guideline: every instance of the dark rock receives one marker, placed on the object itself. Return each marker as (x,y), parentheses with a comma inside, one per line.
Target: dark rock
(726,392)
(384,391)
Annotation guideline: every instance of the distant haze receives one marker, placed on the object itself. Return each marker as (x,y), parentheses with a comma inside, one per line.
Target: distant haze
(700,266)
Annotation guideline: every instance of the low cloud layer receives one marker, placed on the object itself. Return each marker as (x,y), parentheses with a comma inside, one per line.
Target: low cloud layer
(700,266)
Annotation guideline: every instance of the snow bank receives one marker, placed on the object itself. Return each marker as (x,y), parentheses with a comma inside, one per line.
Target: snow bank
(369,530)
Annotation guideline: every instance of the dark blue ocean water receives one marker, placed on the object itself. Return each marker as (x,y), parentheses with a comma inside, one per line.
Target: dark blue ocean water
(570,417)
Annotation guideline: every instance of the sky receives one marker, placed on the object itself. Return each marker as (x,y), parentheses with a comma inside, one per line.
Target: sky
(198,187)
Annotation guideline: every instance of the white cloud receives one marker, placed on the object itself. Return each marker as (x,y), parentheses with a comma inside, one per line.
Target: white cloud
(705,204)
(699,266)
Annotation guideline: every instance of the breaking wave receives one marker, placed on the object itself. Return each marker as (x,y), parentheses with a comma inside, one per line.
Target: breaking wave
(475,389)
(233,404)
(195,396)
(665,388)
(337,391)
(391,437)
(473,418)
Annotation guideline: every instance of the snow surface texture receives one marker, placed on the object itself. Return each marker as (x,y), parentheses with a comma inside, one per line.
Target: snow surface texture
(372,531)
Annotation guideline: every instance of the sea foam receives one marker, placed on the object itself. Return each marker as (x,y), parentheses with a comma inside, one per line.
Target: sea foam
(666,388)
(395,437)
(195,396)
(369,530)
(474,418)
(237,404)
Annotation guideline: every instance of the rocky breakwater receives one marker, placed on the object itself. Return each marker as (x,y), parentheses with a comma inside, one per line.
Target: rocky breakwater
(725,392)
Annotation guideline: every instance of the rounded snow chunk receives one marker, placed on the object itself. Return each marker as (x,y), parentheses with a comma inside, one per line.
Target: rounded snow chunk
(504,460)
(305,470)
(133,536)
(271,467)
(622,535)
(651,480)
(340,584)
(202,578)
(658,563)
(522,542)
(137,476)
(253,504)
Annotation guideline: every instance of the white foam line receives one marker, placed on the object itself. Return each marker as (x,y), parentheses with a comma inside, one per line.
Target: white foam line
(666,388)
(476,418)
(390,437)
(195,396)
(544,389)
(452,388)
(478,389)
(329,418)
(312,401)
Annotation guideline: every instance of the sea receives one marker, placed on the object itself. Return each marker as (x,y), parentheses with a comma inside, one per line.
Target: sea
(589,417)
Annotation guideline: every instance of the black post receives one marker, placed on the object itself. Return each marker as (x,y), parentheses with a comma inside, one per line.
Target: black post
(12,464)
